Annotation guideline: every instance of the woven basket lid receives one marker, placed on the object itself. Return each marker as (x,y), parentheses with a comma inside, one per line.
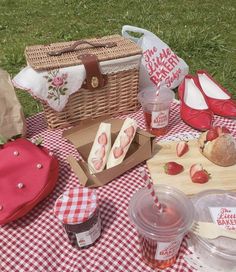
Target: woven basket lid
(76,205)
(39,59)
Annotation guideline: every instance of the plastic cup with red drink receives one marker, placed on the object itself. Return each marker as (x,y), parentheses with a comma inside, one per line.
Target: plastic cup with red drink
(156,109)
(161,233)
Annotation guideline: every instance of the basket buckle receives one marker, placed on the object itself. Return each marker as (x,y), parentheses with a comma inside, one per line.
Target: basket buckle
(94,82)
(94,78)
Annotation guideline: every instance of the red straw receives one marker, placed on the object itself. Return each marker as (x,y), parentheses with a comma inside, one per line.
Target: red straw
(150,187)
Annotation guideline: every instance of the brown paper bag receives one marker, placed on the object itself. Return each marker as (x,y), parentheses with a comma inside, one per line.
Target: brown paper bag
(12,121)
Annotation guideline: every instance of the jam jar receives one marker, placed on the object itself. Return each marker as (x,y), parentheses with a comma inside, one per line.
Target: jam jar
(78,210)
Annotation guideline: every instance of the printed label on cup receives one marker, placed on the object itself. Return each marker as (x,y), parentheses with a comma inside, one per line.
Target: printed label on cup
(160,119)
(224,217)
(89,237)
(166,251)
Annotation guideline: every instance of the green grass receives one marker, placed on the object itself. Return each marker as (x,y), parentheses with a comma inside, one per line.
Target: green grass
(203,33)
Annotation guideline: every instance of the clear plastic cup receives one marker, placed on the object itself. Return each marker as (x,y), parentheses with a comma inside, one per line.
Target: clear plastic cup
(156,109)
(161,234)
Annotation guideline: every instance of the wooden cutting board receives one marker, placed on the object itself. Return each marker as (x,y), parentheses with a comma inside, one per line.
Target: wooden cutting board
(221,177)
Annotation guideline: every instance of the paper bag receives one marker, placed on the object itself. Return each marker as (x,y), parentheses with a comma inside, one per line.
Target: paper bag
(12,121)
(160,66)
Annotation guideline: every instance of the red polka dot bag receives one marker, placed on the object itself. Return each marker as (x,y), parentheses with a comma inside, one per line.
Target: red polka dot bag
(28,174)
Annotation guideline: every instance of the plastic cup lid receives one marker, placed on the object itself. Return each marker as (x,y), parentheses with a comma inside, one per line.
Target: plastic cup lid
(174,221)
(217,206)
(150,95)
(76,205)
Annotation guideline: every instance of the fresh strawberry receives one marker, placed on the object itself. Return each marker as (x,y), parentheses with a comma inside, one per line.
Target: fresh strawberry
(173,168)
(195,168)
(222,130)
(212,134)
(102,139)
(181,148)
(201,176)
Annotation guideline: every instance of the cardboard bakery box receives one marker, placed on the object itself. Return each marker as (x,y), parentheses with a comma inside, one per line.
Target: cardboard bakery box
(82,138)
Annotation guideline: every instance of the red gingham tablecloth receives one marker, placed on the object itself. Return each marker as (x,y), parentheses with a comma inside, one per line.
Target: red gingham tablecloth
(38,242)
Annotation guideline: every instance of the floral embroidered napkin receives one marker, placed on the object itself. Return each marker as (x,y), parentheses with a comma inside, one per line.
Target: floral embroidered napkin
(53,87)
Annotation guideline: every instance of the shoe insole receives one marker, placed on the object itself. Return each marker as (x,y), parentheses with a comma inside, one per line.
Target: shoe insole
(210,88)
(193,96)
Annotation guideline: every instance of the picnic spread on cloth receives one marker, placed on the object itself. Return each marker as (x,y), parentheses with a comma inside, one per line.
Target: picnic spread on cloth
(116,174)
(37,242)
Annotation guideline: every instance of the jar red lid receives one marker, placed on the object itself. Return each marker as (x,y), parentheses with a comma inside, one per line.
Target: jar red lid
(76,205)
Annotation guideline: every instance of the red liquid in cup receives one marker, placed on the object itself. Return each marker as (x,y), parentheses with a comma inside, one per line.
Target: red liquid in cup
(160,234)
(149,247)
(156,131)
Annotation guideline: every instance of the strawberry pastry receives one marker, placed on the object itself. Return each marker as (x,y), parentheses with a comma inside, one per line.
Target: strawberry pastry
(218,145)
(122,143)
(100,149)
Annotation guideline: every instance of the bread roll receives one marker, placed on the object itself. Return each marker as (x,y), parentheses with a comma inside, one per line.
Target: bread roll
(221,151)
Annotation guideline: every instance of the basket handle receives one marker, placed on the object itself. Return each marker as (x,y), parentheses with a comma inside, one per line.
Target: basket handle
(72,48)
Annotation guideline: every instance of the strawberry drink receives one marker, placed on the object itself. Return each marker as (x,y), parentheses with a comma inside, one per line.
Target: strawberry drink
(160,233)
(156,107)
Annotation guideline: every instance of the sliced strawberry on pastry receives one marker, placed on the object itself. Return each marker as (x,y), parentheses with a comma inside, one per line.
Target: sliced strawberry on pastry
(97,163)
(122,143)
(124,140)
(102,139)
(100,149)
(130,131)
(118,152)
(100,152)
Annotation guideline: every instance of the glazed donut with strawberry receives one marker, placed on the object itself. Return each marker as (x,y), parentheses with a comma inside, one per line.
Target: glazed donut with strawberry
(218,145)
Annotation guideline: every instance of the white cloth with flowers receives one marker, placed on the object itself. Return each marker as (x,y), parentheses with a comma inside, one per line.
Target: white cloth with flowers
(53,87)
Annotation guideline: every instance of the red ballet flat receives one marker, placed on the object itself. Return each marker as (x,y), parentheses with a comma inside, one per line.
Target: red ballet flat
(218,98)
(194,109)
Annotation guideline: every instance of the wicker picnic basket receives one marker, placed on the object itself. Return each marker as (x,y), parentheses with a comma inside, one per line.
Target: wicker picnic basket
(112,92)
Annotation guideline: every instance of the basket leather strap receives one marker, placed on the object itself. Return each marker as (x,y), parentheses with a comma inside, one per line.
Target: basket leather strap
(94,78)
(73,47)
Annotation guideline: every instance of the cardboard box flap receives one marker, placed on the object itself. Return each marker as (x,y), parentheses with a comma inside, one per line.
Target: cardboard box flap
(79,135)
(71,134)
(78,170)
(87,179)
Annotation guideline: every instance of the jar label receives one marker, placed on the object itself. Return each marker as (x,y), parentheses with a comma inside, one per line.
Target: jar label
(166,251)
(224,217)
(89,237)
(160,119)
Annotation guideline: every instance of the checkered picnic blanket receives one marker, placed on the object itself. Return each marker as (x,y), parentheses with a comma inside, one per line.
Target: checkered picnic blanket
(38,242)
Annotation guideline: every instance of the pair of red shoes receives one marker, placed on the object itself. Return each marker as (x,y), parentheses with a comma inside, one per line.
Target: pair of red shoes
(201,97)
